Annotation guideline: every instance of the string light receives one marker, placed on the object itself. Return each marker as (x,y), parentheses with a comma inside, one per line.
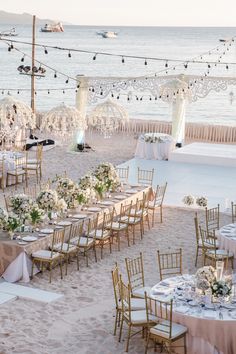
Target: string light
(22,59)
(55,75)
(145,63)
(69,54)
(123,60)
(45,50)
(95,57)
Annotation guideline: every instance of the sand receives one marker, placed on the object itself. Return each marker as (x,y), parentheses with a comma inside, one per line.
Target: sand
(82,321)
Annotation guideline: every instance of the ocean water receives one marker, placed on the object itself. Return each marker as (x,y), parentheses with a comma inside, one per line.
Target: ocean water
(167,42)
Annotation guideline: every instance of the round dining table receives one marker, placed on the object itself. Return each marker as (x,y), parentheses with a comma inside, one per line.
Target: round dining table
(154,146)
(227,238)
(210,330)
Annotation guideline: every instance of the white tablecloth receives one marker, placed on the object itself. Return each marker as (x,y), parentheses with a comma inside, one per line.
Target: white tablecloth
(205,335)
(154,151)
(9,160)
(227,239)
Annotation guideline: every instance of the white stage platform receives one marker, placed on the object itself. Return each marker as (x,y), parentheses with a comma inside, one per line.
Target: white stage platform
(217,183)
(203,153)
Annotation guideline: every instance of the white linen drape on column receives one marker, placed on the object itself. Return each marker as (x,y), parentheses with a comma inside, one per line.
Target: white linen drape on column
(178,119)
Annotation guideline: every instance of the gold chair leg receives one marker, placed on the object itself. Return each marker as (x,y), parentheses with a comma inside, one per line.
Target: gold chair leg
(61,268)
(50,272)
(148,337)
(32,269)
(116,321)
(95,253)
(77,255)
(121,328)
(127,344)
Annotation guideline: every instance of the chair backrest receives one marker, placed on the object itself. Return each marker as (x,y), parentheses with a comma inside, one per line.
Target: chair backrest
(145,176)
(212,217)
(76,230)
(123,173)
(107,219)
(116,284)
(7,201)
(233,209)
(170,263)
(2,169)
(19,162)
(125,295)
(57,240)
(135,272)
(91,229)
(208,238)
(125,210)
(39,152)
(162,310)
(32,191)
(160,194)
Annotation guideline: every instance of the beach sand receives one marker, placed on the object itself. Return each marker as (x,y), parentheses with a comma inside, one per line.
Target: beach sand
(82,321)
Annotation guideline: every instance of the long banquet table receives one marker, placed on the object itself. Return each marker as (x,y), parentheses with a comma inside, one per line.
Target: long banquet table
(15,263)
(207,332)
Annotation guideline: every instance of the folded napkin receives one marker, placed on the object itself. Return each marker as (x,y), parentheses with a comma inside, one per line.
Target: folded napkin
(209,314)
(161,291)
(168,282)
(182,309)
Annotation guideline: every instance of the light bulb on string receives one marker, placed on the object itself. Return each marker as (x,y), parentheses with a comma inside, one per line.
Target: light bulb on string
(48,92)
(2,92)
(9,49)
(67,81)
(22,59)
(45,50)
(12,47)
(95,57)
(55,75)
(69,54)
(35,93)
(123,60)
(145,63)
(118,97)
(227,66)
(18,92)
(63,91)
(166,64)
(186,65)
(155,98)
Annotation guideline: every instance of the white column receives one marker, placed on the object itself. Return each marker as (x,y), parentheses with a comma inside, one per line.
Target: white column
(81,104)
(178,119)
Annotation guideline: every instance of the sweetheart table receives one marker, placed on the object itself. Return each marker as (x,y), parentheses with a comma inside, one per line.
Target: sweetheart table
(15,261)
(210,330)
(154,146)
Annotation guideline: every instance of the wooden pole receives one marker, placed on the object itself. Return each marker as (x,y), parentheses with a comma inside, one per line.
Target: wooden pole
(32,65)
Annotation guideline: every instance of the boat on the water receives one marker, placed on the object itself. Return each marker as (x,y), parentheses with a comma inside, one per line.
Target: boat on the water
(9,33)
(56,27)
(108,34)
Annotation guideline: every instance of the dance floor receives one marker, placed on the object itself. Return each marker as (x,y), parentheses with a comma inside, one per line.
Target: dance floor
(217,183)
(205,153)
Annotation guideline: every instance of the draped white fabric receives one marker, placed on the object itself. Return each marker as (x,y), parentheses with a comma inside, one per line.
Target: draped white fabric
(178,119)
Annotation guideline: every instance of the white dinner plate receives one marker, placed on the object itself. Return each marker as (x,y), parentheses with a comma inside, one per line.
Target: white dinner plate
(79,216)
(29,238)
(107,202)
(94,209)
(41,235)
(131,191)
(22,243)
(135,185)
(120,197)
(64,223)
(47,231)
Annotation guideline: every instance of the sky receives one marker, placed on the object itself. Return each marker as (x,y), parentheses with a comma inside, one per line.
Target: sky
(130,12)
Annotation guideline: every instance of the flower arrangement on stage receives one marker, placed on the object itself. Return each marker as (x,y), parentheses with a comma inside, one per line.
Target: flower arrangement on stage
(156,138)
(21,205)
(201,201)
(106,173)
(188,199)
(205,278)
(221,288)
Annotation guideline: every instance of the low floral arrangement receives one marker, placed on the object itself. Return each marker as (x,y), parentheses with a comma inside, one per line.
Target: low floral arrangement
(205,278)
(36,214)
(21,205)
(3,217)
(82,196)
(156,138)
(48,200)
(189,199)
(100,188)
(66,189)
(221,288)
(13,222)
(201,201)
(107,174)
(88,183)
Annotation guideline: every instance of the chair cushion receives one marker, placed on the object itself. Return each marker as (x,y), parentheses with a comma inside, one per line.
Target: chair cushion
(140,292)
(138,304)
(135,212)
(219,253)
(85,241)
(32,161)
(131,220)
(31,167)
(208,244)
(45,254)
(99,234)
(16,173)
(152,204)
(140,317)
(116,226)
(64,248)
(162,330)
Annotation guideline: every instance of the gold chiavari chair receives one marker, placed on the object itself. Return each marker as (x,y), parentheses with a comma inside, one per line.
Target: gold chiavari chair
(157,202)
(102,233)
(134,217)
(134,319)
(2,176)
(32,168)
(169,263)
(212,217)
(38,159)
(233,210)
(123,173)
(83,241)
(50,257)
(117,227)
(18,172)
(135,273)
(210,250)
(165,332)
(145,176)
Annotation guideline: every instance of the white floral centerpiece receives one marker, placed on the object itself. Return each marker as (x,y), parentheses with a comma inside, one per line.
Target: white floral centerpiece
(21,205)
(66,189)
(13,222)
(221,288)
(61,206)
(100,188)
(88,183)
(3,217)
(156,138)
(107,174)
(82,195)
(188,199)
(48,201)
(205,278)
(201,201)
(36,214)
